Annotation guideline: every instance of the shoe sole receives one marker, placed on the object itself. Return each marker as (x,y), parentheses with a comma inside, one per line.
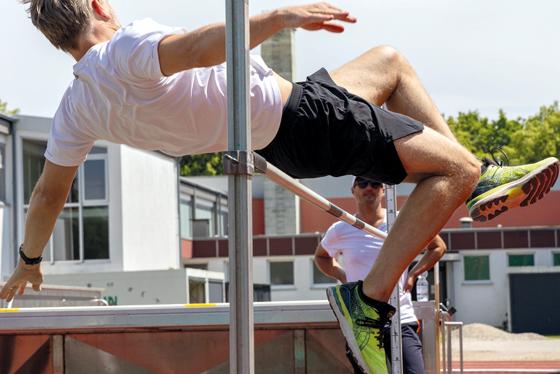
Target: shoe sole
(346,331)
(523,192)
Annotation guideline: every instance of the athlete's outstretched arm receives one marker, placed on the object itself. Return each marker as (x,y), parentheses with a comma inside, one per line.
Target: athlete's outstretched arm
(47,200)
(205,46)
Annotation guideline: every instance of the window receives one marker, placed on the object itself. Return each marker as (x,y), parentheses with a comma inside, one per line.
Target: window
(556,259)
(205,220)
(477,268)
(81,231)
(186,213)
(2,172)
(282,273)
(521,260)
(319,277)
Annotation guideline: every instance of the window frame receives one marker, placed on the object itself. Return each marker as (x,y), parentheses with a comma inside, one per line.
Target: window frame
(282,286)
(82,182)
(554,254)
(82,203)
(519,254)
(476,281)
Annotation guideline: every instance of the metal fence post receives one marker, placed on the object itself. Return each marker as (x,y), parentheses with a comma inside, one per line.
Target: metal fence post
(241,341)
(396,331)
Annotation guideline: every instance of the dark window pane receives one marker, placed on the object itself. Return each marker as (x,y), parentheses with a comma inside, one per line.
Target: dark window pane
(215,292)
(282,273)
(94,180)
(96,233)
(66,236)
(98,150)
(2,172)
(556,259)
(319,277)
(521,260)
(197,294)
(33,162)
(477,268)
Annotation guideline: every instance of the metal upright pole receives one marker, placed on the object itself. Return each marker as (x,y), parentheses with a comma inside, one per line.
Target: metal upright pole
(241,344)
(396,332)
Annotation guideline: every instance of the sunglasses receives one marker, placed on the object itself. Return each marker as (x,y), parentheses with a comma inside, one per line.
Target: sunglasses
(363,183)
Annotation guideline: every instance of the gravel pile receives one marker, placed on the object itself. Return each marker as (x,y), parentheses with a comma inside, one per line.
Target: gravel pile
(479,331)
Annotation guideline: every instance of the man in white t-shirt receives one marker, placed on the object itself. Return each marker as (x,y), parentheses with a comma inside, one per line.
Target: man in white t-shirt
(347,254)
(155,87)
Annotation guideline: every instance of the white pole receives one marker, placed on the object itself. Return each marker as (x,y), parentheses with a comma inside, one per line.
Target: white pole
(396,331)
(241,343)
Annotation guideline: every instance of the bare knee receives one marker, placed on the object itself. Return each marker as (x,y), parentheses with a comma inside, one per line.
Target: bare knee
(390,56)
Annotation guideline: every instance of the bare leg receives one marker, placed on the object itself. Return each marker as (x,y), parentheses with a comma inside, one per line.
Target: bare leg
(445,172)
(384,76)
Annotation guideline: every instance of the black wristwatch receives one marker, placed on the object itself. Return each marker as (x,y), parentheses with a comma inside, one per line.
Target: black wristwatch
(27,260)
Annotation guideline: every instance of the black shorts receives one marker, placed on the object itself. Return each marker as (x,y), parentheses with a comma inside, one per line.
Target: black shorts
(325,130)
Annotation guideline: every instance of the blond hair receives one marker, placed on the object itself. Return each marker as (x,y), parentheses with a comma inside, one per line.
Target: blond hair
(61,21)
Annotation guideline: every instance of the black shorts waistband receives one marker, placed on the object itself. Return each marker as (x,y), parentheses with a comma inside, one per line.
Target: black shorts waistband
(291,106)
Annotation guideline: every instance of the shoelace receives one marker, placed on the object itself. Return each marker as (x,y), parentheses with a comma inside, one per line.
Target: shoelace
(496,161)
(379,324)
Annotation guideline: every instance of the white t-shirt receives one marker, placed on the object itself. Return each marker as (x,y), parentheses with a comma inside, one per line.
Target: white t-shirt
(120,95)
(357,251)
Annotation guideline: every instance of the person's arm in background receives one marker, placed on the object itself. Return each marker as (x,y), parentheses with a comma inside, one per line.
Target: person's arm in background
(205,46)
(434,252)
(47,200)
(328,265)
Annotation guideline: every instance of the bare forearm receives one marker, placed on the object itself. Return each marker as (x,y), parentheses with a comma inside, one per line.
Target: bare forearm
(41,218)
(434,252)
(205,46)
(329,267)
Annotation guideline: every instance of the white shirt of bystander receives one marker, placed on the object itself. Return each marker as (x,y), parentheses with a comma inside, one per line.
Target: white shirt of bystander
(357,251)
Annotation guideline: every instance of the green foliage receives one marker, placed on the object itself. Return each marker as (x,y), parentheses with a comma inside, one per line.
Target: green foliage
(522,140)
(205,164)
(4,109)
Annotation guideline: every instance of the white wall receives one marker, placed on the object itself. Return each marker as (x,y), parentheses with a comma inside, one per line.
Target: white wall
(303,288)
(131,288)
(150,216)
(488,302)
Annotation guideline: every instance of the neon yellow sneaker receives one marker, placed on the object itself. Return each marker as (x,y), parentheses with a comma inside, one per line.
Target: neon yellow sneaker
(362,325)
(505,187)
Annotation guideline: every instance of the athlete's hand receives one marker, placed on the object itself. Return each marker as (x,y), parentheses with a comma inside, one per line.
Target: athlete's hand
(319,16)
(410,280)
(17,282)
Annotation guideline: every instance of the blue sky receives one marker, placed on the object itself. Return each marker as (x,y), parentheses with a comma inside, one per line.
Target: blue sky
(470,54)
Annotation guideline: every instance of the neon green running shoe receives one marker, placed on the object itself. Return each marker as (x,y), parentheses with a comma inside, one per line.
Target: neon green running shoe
(362,325)
(502,188)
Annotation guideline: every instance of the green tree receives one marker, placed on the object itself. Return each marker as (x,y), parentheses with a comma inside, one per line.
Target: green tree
(539,136)
(4,109)
(205,164)
(482,136)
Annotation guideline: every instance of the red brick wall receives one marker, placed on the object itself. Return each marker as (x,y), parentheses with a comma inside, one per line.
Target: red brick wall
(258,216)
(546,212)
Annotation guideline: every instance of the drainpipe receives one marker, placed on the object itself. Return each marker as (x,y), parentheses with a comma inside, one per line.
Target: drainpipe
(15,202)
(179,211)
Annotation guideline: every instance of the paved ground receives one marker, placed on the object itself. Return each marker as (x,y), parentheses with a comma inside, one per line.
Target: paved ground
(509,367)
(490,350)
(524,350)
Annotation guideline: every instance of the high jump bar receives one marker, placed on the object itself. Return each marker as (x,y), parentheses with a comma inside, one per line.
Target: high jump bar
(298,188)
